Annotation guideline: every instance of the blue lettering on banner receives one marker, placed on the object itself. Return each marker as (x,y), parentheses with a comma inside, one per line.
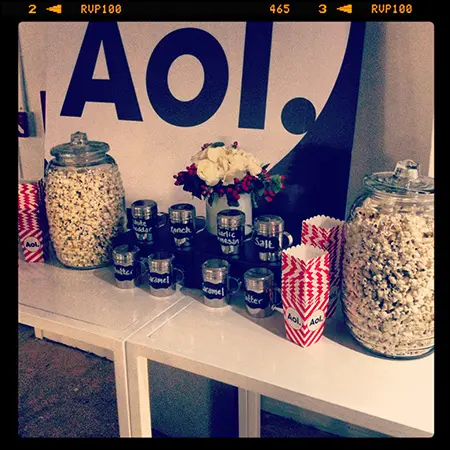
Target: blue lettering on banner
(255,75)
(119,89)
(206,48)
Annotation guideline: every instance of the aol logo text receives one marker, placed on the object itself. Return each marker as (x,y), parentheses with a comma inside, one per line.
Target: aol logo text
(297,115)
(316,320)
(293,318)
(32,244)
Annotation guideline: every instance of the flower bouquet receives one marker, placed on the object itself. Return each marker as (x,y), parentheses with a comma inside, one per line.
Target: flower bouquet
(217,171)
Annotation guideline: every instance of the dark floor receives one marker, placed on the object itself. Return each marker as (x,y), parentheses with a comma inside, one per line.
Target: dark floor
(65,392)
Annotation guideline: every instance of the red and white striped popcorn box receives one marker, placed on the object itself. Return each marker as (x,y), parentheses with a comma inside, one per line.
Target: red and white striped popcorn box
(327,233)
(305,290)
(33,245)
(29,195)
(30,220)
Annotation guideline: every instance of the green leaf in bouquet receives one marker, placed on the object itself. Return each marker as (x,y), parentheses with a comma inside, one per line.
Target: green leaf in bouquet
(232,201)
(217,144)
(211,198)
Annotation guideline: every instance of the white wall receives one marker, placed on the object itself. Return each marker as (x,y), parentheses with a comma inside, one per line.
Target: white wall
(395,113)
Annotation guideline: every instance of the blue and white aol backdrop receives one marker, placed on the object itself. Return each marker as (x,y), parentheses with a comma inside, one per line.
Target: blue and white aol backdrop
(155,92)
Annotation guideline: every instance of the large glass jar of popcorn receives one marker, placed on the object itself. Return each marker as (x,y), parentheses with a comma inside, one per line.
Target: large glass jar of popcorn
(388,264)
(84,201)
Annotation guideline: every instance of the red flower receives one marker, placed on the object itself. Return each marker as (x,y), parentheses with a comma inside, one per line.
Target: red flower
(269,199)
(282,177)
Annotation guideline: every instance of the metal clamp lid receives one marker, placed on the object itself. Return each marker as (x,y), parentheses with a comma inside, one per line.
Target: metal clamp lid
(181,212)
(215,270)
(123,256)
(269,225)
(160,262)
(144,209)
(230,218)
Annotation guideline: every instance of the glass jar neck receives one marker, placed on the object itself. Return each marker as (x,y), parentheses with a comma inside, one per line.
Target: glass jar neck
(81,159)
(404,199)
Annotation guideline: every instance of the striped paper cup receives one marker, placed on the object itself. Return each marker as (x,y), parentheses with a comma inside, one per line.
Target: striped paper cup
(327,233)
(31,220)
(305,289)
(29,195)
(33,245)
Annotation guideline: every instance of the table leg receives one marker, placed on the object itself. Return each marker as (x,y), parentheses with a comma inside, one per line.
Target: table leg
(120,374)
(38,333)
(139,394)
(249,413)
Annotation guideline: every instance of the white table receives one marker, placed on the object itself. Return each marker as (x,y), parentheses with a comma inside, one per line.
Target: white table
(334,377)
(85,305)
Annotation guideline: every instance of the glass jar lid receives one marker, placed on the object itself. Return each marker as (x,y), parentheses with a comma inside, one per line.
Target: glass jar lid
(79,147)
(405,180)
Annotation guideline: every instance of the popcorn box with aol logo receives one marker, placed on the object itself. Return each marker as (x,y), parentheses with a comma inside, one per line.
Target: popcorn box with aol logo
(305,288)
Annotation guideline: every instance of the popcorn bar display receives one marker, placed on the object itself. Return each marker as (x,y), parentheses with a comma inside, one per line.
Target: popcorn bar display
(85,209)
(388,266)
(305,289)
(327,234)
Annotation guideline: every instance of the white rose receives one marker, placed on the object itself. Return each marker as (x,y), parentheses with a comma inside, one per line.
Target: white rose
(253,165)
(238,163)
(202,154)
(254,169)
(214,153)
(223,164)
(206,170)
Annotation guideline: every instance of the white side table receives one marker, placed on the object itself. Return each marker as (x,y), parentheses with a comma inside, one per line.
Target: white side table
(334,377)
(87,306)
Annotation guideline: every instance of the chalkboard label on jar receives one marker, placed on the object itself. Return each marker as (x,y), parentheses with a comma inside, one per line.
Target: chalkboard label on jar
(143,226)
(159,281)
(124,273)
(256,299)
(181,230)
(267,244)
(214,291)
(229,237)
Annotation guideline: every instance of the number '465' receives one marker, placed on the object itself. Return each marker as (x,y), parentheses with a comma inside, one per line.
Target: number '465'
(280,9)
